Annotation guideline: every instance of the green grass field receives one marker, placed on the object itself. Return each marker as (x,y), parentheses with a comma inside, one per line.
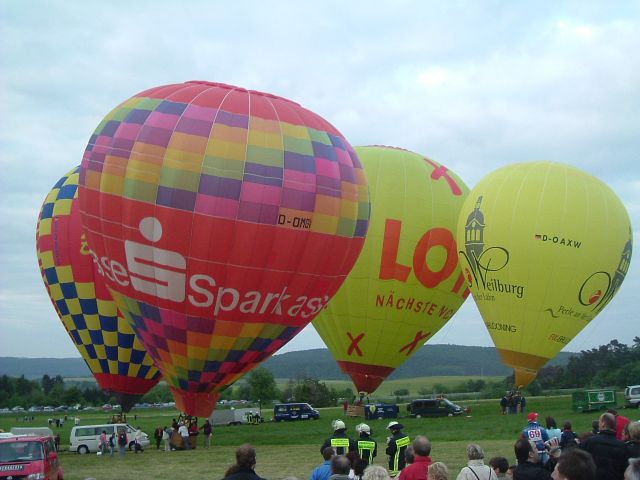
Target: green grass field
(292,448)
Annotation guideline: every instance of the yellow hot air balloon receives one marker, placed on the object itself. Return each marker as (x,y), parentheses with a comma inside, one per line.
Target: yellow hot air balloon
(544,247)
(407,282)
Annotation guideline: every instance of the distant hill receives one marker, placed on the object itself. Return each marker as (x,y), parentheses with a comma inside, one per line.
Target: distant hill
(430,360)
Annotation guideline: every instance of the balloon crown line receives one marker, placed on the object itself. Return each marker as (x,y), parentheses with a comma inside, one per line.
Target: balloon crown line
(241,89)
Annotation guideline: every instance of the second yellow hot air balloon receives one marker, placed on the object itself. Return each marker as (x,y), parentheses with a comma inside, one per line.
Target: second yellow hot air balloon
(544,247)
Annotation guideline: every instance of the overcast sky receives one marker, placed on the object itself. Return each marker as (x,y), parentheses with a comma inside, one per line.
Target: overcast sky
(473,85)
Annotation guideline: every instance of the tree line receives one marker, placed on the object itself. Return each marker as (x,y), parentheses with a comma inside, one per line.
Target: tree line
(612,365)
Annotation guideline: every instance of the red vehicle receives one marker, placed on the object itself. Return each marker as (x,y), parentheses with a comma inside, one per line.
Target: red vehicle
(30,457)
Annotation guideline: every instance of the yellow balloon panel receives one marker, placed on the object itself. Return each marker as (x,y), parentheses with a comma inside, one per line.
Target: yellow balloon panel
(406,283)
(544,248)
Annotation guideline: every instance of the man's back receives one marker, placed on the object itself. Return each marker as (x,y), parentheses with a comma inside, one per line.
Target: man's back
(609,454)
(530,471)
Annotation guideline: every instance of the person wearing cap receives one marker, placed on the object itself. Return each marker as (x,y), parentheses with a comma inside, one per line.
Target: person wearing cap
(367,446)
(538,434)
(397,443)
(339,441)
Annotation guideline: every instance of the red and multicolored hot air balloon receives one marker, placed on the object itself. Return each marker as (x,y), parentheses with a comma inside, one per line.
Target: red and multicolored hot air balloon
(407,282)
(223,220)
(105,340)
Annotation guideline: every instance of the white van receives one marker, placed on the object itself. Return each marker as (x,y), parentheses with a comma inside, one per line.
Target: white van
(632,396)
(86,438)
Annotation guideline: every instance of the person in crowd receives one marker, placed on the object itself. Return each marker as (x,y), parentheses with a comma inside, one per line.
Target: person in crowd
(183,430)
(137,441)
(633,470)
(323,471)
(193,432)
(552,428)
(417,470)
(633,439)
(123,441)
(166,438)
(207,432)
(595,427)
(574,464)
(244,468)
(367,446)
(409,456)
(503,404)
(621,422)
(438,471)
(104,443)
(475,467)
(568,437)
(340,467)
(554,454)
(529,467)
(500,466)
(339,441)
(375,472)
(397,443)
(523,404)
(609,454)
(158,433)
(357,465)
(113,439)
(56,441)
(535,432)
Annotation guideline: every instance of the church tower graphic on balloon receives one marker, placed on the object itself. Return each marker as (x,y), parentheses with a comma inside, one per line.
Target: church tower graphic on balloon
(474,239)
(618,276)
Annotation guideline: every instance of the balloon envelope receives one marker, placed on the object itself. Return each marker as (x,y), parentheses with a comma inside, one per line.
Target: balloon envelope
(224,220)
(105,340)
(407,283)
(544,247)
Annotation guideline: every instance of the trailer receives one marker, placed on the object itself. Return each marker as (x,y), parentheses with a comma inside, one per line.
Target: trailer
(235,416)
(592,400)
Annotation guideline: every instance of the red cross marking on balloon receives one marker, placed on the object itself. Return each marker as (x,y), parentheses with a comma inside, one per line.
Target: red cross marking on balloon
(354,344)
(410,347)
(440,171)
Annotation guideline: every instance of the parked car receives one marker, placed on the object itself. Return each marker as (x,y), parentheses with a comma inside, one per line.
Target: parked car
(29,456)
(86,438)
(433,407)
(632,396)
(294,411)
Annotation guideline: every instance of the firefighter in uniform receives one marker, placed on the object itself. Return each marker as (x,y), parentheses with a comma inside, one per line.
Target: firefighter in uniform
(367,447)
(340,441)
(397,443)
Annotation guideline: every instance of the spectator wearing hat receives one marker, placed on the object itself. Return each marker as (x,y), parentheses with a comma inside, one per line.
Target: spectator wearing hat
(397,443)
(537,434)
(367,446)
(339,441)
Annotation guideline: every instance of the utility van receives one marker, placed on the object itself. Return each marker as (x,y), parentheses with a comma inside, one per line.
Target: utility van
(86,438)
(632,396)
(29,456)
(438,407)
(294,411)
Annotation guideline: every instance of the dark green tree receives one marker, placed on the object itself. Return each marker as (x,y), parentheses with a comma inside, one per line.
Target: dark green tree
(262,385)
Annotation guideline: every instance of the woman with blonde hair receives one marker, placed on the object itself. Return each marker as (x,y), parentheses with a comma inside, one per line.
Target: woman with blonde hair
(438,471)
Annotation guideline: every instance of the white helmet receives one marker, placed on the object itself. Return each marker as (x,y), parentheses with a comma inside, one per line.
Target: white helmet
(363,427)
(338,425)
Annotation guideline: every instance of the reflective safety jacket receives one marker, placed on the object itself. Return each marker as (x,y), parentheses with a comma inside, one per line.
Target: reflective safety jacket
(367,448)
(395,449)
(341,443)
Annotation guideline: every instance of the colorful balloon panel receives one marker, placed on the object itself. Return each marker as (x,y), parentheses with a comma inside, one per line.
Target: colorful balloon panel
(544,247)
(223,220)
(407,283)
(104,339)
